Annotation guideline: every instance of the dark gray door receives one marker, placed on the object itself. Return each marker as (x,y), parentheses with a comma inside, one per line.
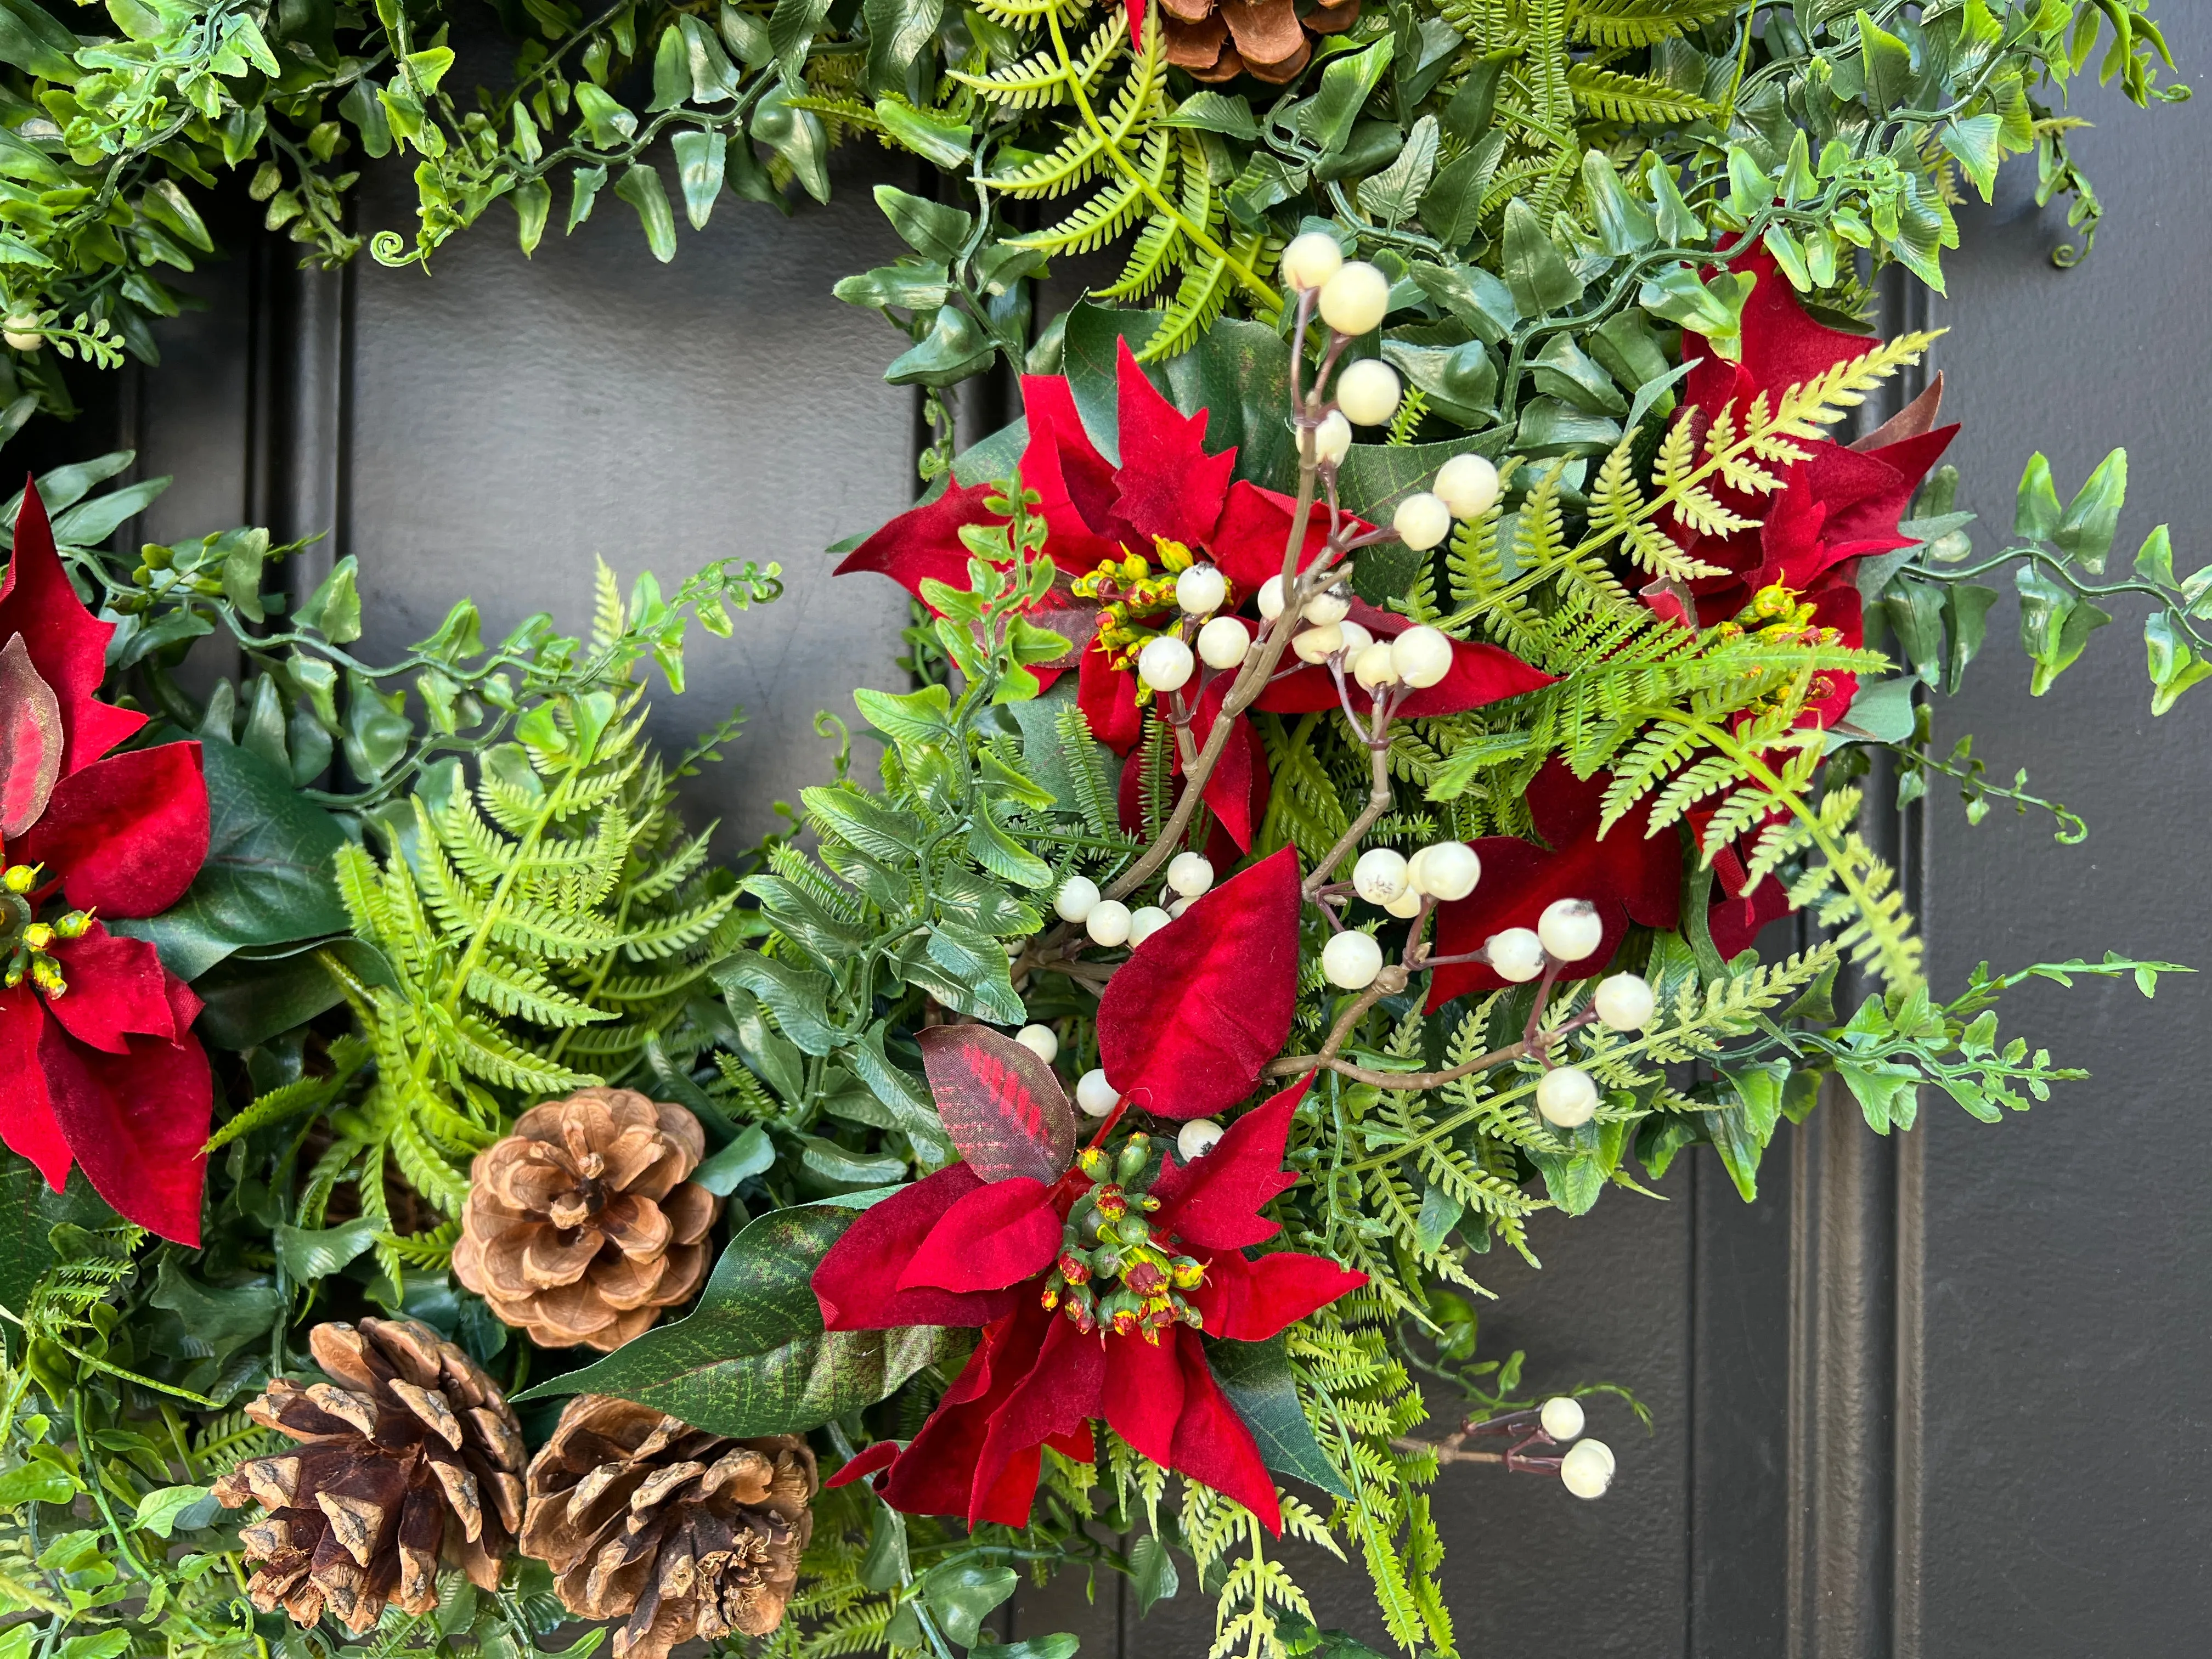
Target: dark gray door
(1940,1396)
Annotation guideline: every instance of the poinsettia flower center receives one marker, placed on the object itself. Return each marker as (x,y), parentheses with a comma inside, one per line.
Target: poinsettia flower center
(1131,593)
(25,940)
(1116,1272)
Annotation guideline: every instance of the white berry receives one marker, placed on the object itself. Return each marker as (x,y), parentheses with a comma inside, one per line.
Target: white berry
(1380,875)
(1468,484)
(1368,391)
(1223,642)
(1076,895)
(1200,590)
(1350,961)
(1356,299)
(1312,259)
(1563,1416)
(1407,904)
(1516,954)
(1422,655)
(1375,666)
(1447,871)
(1040,1040)
(1190,873)
(1108,922)
(1331,605)
(1094,1094)
(1356,639)
(1587,1469)
(1271,597)
(1317,644)
(1176,910)
(1625,1002)
(1197,1137)
(1422,520)
(1567,1097)
(1332,439)
(1165,663)
(1571,929)
(1145,922)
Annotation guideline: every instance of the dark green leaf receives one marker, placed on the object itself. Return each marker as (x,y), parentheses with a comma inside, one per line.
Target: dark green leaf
(798,997)
(1345,84)
(752,1359)
(934,231)
(1257,1378)
(1538,273)
(267,879)
(1452,209)
(954,349)
(797,135)
(1215,111)
(308,1256)
(945,143)
(1153,1575)
(34,42)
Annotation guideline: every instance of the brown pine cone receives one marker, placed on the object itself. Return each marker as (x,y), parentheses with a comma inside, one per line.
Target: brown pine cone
(408,1455)
(580,1226)
(1220,39)
(678,1532)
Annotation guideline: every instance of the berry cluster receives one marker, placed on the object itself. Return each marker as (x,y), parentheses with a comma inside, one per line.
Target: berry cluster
(1113,1271)
(25,940)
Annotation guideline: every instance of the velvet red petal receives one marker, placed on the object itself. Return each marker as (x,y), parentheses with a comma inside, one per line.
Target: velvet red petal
(1000,1234)
(68,645)
(1254,529)
(1214,1202)
(936,1474)
(1187,1023)
(1144,1393)
(1211,1443)
(1168,484)
(26,1116)
(1735,922)
(116,989)
(857,1283)
(1782,346)
(1074,481)
(923,542)
(1627,875)
(128,833)
(136,1124)
(866,1462)
(1108,697)
(1250,1300)
(1061,1392)
(1229,787)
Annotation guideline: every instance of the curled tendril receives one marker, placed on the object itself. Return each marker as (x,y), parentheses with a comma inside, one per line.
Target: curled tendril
(389,248)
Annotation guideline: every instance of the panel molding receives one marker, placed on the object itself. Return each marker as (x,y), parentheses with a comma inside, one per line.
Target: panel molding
(1857,1269)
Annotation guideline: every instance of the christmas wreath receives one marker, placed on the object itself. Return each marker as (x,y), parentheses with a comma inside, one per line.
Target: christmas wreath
(445,1202)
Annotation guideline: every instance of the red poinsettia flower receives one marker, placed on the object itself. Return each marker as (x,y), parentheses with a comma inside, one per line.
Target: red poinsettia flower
(99,1065)
(1166,502)
(1839,505)
(1094,1292)
(1628,875)
(1095,1278)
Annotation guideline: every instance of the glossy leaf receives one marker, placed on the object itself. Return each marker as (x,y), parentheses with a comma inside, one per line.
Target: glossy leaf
(1538,273)
(1257,1378)
(752,1359)
(268,876)
(2084,532)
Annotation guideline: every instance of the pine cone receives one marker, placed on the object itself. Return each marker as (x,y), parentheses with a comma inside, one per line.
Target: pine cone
(678,1532)
(1220,39)
(580,1226)
(409,1453)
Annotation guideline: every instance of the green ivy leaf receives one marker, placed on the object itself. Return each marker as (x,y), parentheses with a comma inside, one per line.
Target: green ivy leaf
(1538,273)
(2084,532)
(963,1593)
(1345,83)
(308,1255)
(165,1509)
(641,186)
(752,1359)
